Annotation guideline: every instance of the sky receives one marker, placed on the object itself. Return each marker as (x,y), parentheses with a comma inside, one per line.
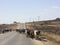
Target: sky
(28,10)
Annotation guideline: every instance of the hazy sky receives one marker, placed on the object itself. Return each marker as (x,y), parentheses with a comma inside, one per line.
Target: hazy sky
(27,10)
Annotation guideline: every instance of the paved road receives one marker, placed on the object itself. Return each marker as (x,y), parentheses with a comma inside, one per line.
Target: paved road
(14,38)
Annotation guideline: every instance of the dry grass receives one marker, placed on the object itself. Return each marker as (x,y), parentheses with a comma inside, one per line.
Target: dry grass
(51,37)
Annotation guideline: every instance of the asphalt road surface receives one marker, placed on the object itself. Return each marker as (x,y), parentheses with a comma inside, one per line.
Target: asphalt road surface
(15,38)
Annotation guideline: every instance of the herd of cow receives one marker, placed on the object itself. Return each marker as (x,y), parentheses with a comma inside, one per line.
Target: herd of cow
(5,30)
(33,34)
(29,33)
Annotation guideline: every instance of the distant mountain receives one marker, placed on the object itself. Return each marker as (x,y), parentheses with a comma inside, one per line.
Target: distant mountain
(57,19)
